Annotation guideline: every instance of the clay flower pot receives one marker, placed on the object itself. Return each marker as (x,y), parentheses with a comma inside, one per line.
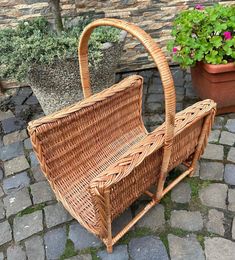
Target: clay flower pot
(216,82)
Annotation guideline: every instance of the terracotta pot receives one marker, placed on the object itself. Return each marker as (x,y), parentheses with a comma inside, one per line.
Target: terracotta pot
(216,82)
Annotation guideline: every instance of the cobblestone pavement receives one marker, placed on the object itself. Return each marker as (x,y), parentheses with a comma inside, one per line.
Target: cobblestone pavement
(195,221)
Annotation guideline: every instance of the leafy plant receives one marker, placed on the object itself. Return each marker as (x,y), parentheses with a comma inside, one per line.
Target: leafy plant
(204,34)
(34,41)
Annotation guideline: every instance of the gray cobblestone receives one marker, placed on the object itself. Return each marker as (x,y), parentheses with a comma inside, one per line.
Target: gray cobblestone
(233,229)
(119,253)
(211,171)
(231,155)
(16,183)
(5,115)
(82,238)
(41,192)
(27,225)
(55,241)
(214,136)
(154,219)
(186,248)
(231,200)
(28,144)
(55,215)
(15,137)
(10,151)
(181,193)
(229,174)
(37,174)
(33,159)
(15,165)
(186,220)
(214,152)
(231,125)
(227,138)
(16,252)
(216,222)
(217,248)
(149,247)
(214,195)
(2,210)
(16,202)
(35,248)
(12,124)
(5,233)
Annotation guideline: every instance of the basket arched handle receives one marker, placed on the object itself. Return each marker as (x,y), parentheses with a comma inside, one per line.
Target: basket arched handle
(159,59)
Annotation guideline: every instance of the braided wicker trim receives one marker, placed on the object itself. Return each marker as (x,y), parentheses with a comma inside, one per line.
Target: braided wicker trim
(148,145)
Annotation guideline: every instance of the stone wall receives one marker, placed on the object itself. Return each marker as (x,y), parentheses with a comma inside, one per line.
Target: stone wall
(154,16)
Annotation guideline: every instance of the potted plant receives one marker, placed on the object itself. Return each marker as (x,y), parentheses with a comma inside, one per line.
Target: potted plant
(204,39)
(33,51)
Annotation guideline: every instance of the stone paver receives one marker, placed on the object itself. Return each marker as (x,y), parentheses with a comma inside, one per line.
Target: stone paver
(41,192)
(218,123)
(5,232)
(214,152)
(16,252)
(10,151)
(214,195)
(1,174)
(82,238)
(229,174)
(27,225)
(15,165)
(6,115)
(12,124)
(231,155)
(215,223)
(181,193)
(15,137)
(119,253)
(55,215)
(1,256)
(214,136)
(231,125)
(217,248)
(37,174)
(212,171)
(149,247)
(186,220)
(16,202)
(2,210)
(15,183)
(33,159)
(1,191)
(55,241)
(186,248)
(231,200)
(154,219)
(28,144)
(227,138)
(35,248)
(233,229)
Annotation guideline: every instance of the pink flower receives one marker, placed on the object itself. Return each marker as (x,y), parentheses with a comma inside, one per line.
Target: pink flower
(175,49)
(199,7)
(227,35)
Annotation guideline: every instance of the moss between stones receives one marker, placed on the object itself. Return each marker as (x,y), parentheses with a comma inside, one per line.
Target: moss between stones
(31,209)
(69,250)
(92,251)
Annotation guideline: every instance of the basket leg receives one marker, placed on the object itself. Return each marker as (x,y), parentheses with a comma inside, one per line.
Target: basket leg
(202,142)
(109,241)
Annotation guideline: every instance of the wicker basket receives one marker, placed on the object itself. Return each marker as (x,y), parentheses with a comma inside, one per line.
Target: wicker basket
(97,154)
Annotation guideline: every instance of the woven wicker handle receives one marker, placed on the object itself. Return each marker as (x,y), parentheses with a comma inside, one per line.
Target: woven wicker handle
(155,52)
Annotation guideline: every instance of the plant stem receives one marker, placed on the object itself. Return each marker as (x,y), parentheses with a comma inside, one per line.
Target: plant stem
(56,10)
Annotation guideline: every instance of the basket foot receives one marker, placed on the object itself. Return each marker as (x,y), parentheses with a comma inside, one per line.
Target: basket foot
(110,249)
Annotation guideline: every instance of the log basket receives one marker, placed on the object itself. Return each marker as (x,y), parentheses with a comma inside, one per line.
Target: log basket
(98,156)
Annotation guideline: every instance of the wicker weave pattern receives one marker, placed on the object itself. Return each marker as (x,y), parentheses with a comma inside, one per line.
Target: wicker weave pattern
(97,154)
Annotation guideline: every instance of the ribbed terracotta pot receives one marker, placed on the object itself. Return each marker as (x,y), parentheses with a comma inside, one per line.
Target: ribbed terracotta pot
(216,82)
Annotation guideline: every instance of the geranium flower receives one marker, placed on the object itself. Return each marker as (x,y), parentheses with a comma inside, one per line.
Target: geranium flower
(227,35)
(175,49)
(199,7)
